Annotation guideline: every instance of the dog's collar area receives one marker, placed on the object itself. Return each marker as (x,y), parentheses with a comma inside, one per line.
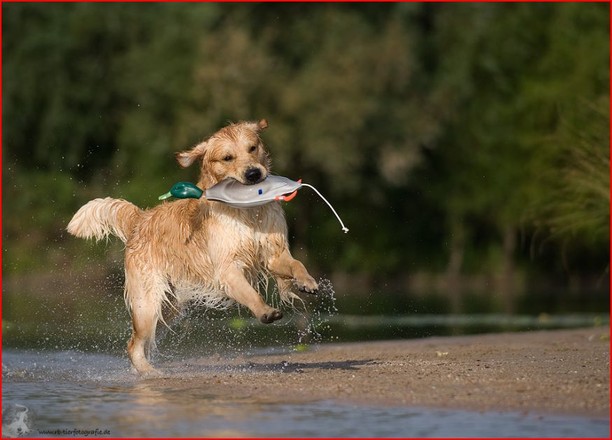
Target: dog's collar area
(230,191)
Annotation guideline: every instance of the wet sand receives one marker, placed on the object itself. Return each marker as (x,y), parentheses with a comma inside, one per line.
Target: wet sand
(562,372)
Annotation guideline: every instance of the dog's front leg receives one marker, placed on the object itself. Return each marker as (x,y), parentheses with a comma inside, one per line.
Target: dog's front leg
(285,266)
(239,289)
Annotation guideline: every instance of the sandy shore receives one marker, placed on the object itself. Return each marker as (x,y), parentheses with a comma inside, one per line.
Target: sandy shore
(565,372)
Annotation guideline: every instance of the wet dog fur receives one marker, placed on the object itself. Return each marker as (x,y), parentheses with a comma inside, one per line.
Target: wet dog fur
(201,250)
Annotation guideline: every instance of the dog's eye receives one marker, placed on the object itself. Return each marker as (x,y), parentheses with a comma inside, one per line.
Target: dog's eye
(252,149)
(228,158)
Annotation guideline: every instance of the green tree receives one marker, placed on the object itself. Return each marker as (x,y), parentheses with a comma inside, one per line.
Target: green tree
(514,87)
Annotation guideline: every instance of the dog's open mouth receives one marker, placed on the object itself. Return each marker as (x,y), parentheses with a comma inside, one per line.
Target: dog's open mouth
(245,182)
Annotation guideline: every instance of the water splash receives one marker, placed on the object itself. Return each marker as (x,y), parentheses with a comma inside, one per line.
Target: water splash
(317,321)
(201,331)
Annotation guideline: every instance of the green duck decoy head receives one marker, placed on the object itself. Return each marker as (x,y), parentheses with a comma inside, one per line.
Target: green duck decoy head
(183,190)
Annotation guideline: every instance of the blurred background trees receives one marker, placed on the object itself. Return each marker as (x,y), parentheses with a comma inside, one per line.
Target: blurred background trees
(466,146)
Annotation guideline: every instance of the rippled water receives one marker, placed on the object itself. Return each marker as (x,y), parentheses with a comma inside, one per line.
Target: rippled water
(66,393)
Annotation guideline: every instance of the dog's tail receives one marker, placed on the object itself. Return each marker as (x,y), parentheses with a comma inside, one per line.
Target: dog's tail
(101,217)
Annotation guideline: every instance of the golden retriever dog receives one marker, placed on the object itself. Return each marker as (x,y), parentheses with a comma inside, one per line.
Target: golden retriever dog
(199,250)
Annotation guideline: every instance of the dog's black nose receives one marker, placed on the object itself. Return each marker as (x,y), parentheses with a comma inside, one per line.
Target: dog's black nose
(252,175)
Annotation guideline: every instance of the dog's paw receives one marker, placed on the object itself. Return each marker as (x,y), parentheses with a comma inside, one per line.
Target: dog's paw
(271,316)
(308,285)
(151,373)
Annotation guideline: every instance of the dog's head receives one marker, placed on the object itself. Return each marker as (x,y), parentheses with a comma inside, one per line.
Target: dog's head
(235,151)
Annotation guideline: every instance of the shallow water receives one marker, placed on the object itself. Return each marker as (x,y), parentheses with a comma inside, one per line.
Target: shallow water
(68,393)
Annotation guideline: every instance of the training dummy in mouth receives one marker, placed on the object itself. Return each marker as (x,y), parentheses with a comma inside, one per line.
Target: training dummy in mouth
(230,191)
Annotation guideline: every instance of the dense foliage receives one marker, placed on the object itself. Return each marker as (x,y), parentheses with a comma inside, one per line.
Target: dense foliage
(453,138)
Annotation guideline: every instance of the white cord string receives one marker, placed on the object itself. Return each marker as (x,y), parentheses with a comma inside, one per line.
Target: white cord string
(344,228)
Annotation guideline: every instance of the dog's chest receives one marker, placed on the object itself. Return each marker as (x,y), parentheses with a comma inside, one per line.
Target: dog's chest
(251,233)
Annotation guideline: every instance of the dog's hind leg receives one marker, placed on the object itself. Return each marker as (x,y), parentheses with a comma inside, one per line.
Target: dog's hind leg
(145,307)
(144,322)
(238,288)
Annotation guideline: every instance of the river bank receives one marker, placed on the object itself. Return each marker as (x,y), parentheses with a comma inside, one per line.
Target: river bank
(562,371)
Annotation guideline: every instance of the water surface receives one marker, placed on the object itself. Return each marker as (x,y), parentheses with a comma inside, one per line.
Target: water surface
(72,393)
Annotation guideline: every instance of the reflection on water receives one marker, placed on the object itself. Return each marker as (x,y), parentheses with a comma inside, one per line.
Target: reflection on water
(99,322)
(212,332)
(97,395)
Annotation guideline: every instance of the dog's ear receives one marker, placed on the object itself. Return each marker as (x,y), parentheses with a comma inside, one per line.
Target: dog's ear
(188,157)
(262,124)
